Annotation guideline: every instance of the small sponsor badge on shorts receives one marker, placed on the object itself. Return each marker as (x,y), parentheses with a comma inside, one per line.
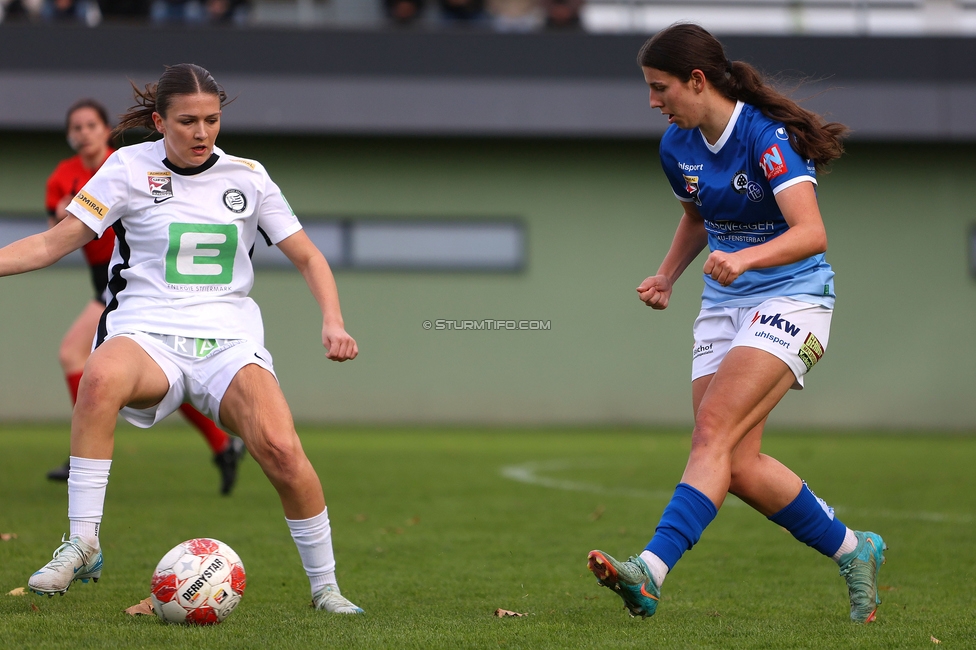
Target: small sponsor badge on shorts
(203,347)
(811,351)
(160,184)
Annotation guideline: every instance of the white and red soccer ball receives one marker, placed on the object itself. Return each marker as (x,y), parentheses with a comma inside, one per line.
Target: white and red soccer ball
(198,582)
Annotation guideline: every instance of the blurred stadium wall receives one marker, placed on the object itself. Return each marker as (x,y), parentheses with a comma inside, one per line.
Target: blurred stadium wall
(570,151)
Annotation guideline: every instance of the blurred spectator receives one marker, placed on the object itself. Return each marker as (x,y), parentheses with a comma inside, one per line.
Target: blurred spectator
(125,10)
(16,9)
(82,11)
(227,12)
(515,15)
(163,12)
(463,12)
(404,12)
(199,11)
(563,14)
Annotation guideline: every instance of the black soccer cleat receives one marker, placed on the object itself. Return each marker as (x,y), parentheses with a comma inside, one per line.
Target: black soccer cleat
(60,473)
(227,462)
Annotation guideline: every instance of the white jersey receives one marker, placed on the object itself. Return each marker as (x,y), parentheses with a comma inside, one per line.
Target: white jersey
(182,262)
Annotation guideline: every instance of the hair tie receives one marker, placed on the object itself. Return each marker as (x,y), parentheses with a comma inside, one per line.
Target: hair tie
(728,67)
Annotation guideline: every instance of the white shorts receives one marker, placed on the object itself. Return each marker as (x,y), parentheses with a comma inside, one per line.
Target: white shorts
(199,372)
(789,329)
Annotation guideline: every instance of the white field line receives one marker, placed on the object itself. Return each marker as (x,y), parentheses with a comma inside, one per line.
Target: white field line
(532,473)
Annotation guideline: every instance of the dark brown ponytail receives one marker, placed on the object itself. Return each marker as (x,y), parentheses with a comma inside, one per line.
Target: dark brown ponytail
(683,48)
(181,79)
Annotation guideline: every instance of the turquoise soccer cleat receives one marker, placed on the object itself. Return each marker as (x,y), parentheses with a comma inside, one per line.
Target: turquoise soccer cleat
(631,580)
(329,599)
(74,560)
(860,568)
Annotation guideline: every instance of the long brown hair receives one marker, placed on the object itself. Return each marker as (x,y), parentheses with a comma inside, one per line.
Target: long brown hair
(180,79)
(683,48)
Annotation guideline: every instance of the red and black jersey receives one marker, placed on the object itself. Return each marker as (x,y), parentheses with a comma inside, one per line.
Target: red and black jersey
(67,179)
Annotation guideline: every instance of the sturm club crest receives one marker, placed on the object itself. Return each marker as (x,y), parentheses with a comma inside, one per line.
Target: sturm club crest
(235,201)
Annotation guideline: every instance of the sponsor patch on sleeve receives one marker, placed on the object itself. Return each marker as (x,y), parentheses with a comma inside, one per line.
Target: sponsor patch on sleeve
(249,163)
(772,162)
(811,351)
(85,200)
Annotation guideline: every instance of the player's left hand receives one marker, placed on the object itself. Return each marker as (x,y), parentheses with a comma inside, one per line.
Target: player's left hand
(340,346)
(724,268)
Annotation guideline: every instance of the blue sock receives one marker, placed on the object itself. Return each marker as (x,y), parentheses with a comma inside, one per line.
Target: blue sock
(682,524)
(812,521)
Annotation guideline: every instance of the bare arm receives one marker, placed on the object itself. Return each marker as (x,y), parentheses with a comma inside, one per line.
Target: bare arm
(318,276)
(805,237)
(60,210)
(44,249)
(689,240)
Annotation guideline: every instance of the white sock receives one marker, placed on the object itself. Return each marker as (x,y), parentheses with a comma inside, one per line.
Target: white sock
(87,481)
(849,544)
(659,570)
(313,537)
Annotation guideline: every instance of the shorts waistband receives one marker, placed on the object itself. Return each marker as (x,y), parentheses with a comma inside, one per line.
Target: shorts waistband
(194,348)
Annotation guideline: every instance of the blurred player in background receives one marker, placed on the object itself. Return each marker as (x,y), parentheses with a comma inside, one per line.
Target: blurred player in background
(742,160)
(179,324)
(89,133)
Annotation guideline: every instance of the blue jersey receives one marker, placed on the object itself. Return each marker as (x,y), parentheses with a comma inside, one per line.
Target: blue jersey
(734,183)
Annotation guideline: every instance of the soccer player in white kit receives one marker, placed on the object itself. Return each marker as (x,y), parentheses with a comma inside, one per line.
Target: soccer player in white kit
(179,324)
(742,161)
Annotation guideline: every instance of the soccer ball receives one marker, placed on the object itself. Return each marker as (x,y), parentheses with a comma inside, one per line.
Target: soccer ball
(199,582)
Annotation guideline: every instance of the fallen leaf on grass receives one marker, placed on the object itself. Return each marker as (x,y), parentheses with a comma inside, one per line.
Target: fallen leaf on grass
(596,514)
(143,608)
(934,640)
(6,537)
(504,613)
(35,607)
(19,591)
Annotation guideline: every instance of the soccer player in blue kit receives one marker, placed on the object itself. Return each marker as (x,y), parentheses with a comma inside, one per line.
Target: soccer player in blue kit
(742,160)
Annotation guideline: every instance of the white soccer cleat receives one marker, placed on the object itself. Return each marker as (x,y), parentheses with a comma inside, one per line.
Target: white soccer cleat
(75,559)
(329,599)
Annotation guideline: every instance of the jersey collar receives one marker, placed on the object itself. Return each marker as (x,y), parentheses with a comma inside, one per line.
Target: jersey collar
(192,171)
(727,133)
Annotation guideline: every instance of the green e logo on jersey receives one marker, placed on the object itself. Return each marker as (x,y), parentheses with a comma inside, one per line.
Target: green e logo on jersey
(201,253)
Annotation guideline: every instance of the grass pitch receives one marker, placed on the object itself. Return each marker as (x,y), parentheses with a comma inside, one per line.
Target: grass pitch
(435,530)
